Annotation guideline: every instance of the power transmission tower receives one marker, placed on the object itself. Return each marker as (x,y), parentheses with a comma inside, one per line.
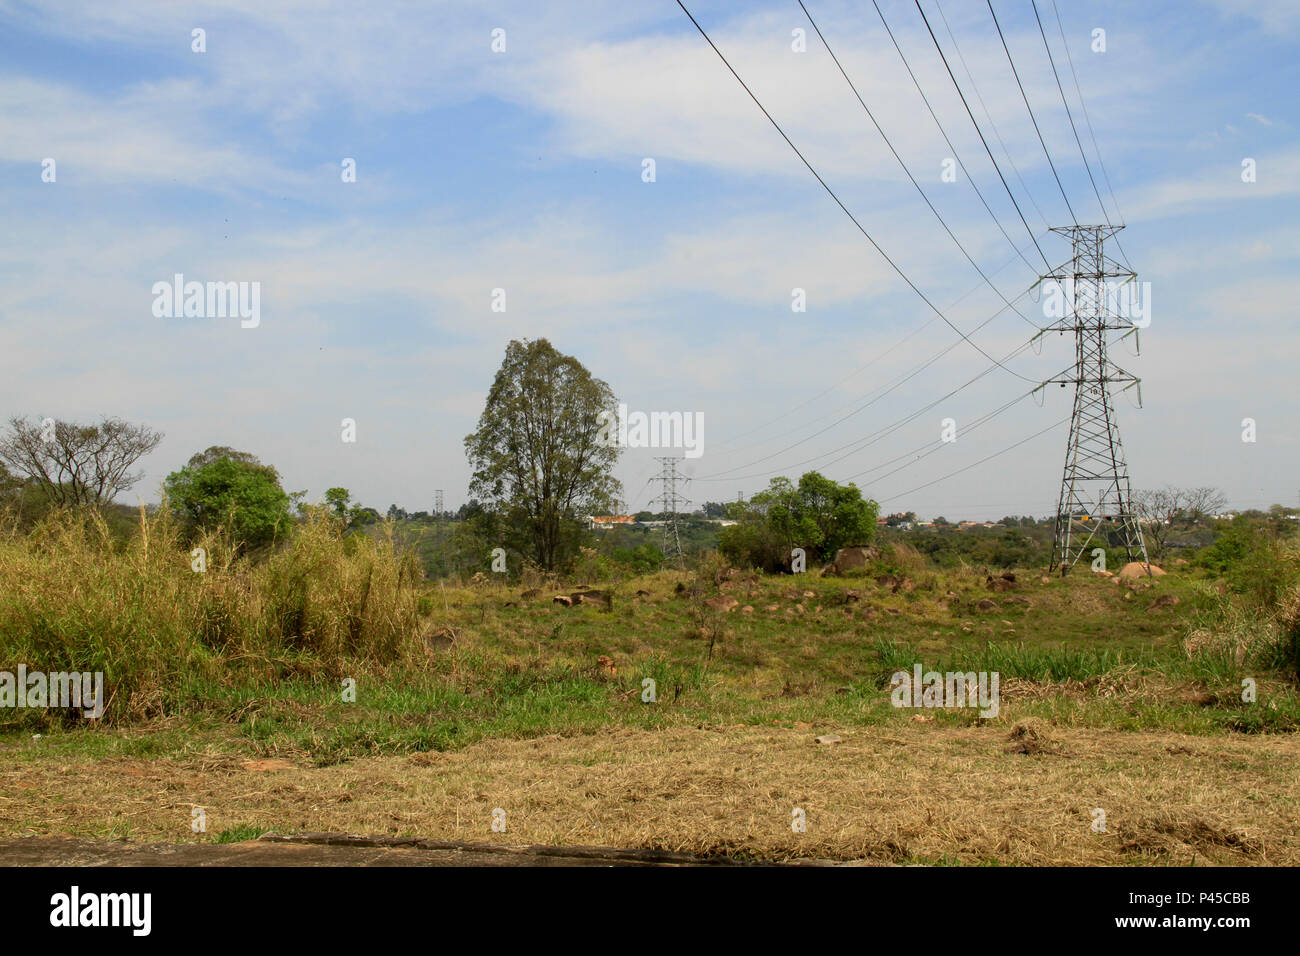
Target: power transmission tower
(669,500)
(1096,499)
(437,504)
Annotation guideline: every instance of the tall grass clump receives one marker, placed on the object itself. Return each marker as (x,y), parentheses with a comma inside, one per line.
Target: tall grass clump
(1256,623)
(73,596)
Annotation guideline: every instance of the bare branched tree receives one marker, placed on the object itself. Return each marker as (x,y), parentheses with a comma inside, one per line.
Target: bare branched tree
(1202,503)
(1167,509)
(77,464)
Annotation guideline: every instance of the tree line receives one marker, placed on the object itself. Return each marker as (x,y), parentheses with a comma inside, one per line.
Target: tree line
(539,467)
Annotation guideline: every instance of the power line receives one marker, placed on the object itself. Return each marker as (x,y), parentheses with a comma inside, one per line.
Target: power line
(862,368)
(861,443)
(949,142)
(916,369)
(942,132)
(1033,119)
(1091,133)
(976,124)
(839,203)
(936,446)
(906,378)
(885,137)
(975,464)
(890,429)
(1066,103)
(988,115)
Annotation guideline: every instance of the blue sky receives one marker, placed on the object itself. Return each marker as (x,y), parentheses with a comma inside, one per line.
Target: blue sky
(522,170)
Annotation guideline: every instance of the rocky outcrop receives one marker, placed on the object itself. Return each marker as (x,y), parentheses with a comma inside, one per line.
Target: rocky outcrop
(851,558)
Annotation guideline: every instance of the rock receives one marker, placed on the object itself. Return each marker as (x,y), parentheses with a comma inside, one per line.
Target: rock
(851,558)
(1104,574)
(440,638)
(531,593)
(747,609)
(642,592)
(1136,569)
(1009,576)
(800,609)
(830,739)
(809,594)
(723,603)
(607,666)
(563,600)
(772,607)
(921,718)
(593,597)
(1044,580)
(1164,600)
(987,604)
(1000,584)
(851,596)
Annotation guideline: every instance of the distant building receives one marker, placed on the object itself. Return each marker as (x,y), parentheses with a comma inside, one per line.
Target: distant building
(605,522)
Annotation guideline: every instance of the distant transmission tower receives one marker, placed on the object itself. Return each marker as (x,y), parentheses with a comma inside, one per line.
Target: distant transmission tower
(437,504)
(1096,504)
(669,500)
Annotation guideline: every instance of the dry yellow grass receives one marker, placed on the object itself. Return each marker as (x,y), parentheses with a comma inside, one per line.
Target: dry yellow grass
(921,792)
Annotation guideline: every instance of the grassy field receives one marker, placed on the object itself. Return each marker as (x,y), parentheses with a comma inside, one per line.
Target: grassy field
(1124,696)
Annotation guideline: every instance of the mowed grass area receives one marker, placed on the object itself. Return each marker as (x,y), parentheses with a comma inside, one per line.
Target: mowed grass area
(911,793)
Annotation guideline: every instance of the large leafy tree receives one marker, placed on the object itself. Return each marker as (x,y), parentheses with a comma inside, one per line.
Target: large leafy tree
(221,486)
(818,514)
(73,464)
(538,457)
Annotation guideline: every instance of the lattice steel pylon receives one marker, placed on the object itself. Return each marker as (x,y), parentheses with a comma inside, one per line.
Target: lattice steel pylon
(670,499)
(1096,503)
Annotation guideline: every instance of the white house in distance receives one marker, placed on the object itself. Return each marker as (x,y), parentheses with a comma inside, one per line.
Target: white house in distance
(605,522)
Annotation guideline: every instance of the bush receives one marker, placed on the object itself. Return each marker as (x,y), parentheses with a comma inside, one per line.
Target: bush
(753,544)
(643,559)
